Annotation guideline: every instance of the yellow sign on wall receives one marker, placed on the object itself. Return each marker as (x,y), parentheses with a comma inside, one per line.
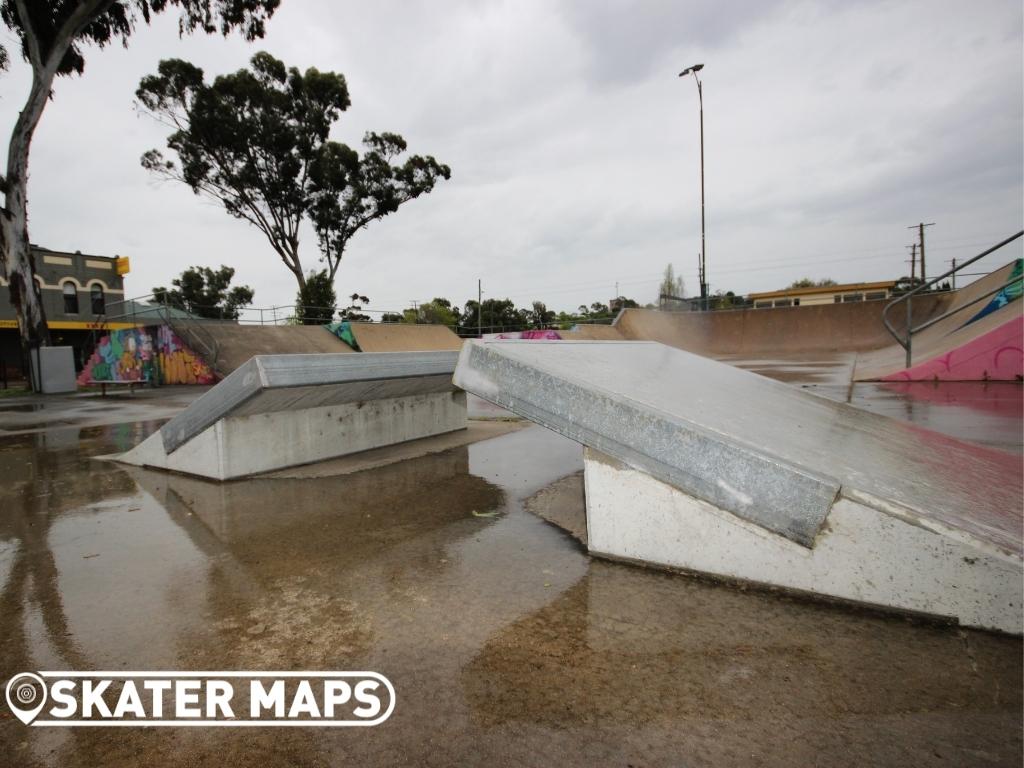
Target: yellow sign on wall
(122,265)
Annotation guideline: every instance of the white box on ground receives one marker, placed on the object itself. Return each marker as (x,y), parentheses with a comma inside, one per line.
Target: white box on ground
(54,369)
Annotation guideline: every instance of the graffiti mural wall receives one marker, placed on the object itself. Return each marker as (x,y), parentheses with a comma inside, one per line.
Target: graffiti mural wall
(153,354)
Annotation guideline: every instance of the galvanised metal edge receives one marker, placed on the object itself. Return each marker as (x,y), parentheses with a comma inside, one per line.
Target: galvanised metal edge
(753,484)
(264,372)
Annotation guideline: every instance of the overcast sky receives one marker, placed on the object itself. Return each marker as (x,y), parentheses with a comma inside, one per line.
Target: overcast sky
(829,128)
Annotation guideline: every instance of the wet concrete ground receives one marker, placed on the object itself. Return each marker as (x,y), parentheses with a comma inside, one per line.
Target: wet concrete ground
(989,413)
(506,643)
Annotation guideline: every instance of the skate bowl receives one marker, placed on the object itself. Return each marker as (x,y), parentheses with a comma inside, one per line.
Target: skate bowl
(694,464)
(953,348)
(277,411)
(777,332)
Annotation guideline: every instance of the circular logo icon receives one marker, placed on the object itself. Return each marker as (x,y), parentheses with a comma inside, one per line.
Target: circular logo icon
(26,695)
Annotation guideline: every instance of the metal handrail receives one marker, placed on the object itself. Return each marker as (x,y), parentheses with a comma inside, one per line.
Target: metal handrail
(195,331)
(186,324)
(907,341)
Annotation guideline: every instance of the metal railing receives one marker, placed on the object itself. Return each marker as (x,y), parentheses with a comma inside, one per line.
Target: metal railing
(141,312)
(905,339)
(150,309)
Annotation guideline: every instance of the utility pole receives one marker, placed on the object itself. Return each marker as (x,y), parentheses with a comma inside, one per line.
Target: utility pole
(920,234)
(913,263)
(479,309)
(954,274)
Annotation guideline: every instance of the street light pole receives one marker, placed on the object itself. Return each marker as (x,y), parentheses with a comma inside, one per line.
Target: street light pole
(703,245)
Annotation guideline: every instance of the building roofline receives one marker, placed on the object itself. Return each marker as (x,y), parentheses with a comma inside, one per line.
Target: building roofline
(824,289)
(41,248)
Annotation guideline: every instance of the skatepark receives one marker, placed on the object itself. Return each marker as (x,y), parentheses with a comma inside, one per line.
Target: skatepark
(680,444)
(695,509)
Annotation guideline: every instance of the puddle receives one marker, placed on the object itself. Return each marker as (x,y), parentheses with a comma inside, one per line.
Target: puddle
(23,408)
(506,643)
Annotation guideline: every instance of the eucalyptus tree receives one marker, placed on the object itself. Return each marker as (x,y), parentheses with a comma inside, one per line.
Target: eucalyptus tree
(54,36)
(258,142)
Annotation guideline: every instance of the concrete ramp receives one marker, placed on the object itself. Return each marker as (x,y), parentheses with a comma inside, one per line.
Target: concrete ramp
(276,411)
(403,337)
(778,333)
(984,341)
(592,332)
(698,465)
(236,344)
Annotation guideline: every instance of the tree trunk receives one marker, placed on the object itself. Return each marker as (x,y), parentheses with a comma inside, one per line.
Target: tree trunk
(16,262)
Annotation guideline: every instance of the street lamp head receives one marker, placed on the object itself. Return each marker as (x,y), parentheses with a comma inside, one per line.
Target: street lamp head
(694,69)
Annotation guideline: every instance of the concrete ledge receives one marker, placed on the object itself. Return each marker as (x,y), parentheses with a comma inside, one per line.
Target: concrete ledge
(269,383)
(695,464)
(570,387)
(279,411)
(862,554)
(767,452)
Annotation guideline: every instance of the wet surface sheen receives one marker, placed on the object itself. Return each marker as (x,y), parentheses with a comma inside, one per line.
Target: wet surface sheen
(505,642)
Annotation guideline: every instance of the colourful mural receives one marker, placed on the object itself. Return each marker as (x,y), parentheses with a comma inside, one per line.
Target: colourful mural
(154,355)
(1011,292)
(343,330)
(534,335)
(994,356)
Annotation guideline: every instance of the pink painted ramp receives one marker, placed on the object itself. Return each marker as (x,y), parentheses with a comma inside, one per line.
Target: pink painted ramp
(997,355)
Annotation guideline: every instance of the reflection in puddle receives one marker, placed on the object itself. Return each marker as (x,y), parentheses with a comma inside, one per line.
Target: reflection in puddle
(988,413)
(505,642)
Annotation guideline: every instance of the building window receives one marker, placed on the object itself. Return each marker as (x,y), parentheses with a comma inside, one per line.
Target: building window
(762,304)
(99,302)
(853,297)
(783,302)
(70,292)
(796,302)
(874,295)
(837,298)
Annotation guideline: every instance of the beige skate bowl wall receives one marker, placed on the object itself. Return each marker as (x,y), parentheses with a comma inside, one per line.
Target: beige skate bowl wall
(402,337)
(787,330)
(854,329)
(237,343)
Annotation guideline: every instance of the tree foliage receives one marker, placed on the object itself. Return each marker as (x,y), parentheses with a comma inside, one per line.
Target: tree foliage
(316,301)
(806,282)
(354,311)
(52,36)
(539,316)
(497,315)
(58,29)
(204,292)
(671,285)
(437,311)
(257,141)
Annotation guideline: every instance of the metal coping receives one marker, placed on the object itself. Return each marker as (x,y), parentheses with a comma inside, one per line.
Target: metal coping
(763,489)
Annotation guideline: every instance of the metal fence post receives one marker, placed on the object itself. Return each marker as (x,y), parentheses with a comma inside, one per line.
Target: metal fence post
(910,334)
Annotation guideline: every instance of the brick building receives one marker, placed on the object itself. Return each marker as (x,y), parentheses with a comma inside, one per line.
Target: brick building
(78,290)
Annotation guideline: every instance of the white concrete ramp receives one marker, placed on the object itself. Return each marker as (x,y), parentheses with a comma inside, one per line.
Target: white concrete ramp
(276,411)
(694,464)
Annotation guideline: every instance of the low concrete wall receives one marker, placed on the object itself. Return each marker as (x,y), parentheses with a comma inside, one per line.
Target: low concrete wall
(863,553)
(239,446)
